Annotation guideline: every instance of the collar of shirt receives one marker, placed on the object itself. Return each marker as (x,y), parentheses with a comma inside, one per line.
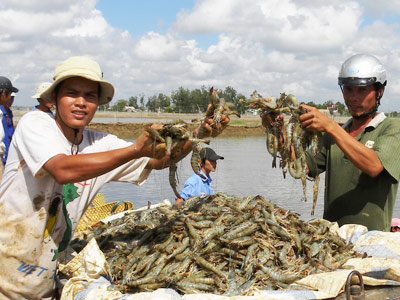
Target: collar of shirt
(207,178)
(373,123)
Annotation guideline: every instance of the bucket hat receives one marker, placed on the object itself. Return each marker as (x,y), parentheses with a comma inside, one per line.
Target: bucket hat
(5,84)
(40,89)
(208,153)
(81,66)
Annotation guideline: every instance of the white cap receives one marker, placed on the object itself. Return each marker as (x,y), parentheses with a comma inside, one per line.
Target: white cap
(40,89)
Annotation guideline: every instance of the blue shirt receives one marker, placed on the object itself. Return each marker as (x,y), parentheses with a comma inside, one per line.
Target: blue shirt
(8,126)
(197,186)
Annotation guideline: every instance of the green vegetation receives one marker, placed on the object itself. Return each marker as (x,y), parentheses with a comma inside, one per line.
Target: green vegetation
(339,107)
(194,101)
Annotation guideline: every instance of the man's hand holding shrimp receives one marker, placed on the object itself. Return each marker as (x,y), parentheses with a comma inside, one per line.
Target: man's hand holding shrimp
(157,150)
(208,126)
(147,146)
(313,119)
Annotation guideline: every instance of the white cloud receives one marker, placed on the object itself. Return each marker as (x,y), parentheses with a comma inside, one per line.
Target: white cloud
(155,47)
(273,46)
(280,24)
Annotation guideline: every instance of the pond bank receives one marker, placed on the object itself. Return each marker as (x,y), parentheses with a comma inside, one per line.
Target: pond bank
(133,130)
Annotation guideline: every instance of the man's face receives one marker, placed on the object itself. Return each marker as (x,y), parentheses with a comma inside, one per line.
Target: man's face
(77,101)
(210,165)
(6,99)
(359,99)
(45,103)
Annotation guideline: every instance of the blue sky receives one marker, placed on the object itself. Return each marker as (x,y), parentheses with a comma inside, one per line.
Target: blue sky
(151,47)
(139,17)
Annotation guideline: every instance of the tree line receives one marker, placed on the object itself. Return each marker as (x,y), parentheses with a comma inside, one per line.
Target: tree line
(194,101)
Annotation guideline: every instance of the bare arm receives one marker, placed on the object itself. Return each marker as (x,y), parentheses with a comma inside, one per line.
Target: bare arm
(363,158)
(75,168)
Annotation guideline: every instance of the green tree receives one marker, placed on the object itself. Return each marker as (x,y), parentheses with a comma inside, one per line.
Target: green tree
(327,104)
(311,103)
(231,96)
(133,101)
(342,109)
(104,107)
(199,99)
(181,100)
(120,105)
(151,103)
(241,105)
(141,101)
(158,101)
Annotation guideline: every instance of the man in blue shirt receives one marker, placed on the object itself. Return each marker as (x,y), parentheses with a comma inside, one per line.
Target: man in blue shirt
(197,186)
(7,92)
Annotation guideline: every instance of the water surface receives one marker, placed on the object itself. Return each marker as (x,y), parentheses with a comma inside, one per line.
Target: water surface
(245,171)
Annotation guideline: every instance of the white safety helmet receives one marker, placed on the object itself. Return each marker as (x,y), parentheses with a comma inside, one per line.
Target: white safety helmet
(362,70)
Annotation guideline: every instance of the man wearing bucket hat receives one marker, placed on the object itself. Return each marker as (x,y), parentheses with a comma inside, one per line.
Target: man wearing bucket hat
(55,168)
(7,94)
(43,105)
(196,185)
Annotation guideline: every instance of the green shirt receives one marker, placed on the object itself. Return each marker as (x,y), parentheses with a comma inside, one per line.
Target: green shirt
(351,196)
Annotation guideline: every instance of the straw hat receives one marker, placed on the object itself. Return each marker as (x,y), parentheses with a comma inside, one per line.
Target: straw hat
(81,66)
(40,89)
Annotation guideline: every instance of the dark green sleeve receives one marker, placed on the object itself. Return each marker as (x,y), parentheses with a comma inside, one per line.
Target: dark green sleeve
(387,146)
(317,164)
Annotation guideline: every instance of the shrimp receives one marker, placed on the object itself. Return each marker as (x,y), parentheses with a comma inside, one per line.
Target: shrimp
(172,176)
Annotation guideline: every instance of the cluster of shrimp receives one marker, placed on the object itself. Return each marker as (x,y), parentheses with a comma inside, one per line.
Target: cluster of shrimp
(216,111)
(172,134)
(288,140)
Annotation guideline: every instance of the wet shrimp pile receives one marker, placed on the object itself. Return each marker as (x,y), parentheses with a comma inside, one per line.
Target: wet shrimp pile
(224,245)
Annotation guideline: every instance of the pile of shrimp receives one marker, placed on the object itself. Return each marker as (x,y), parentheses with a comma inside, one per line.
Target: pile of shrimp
(224,245)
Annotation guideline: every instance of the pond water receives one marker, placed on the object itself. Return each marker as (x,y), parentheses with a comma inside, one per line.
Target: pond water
(245,171)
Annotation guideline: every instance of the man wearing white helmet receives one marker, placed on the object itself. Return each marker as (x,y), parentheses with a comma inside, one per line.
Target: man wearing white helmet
(361,157)
(55,168)
(43,105)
